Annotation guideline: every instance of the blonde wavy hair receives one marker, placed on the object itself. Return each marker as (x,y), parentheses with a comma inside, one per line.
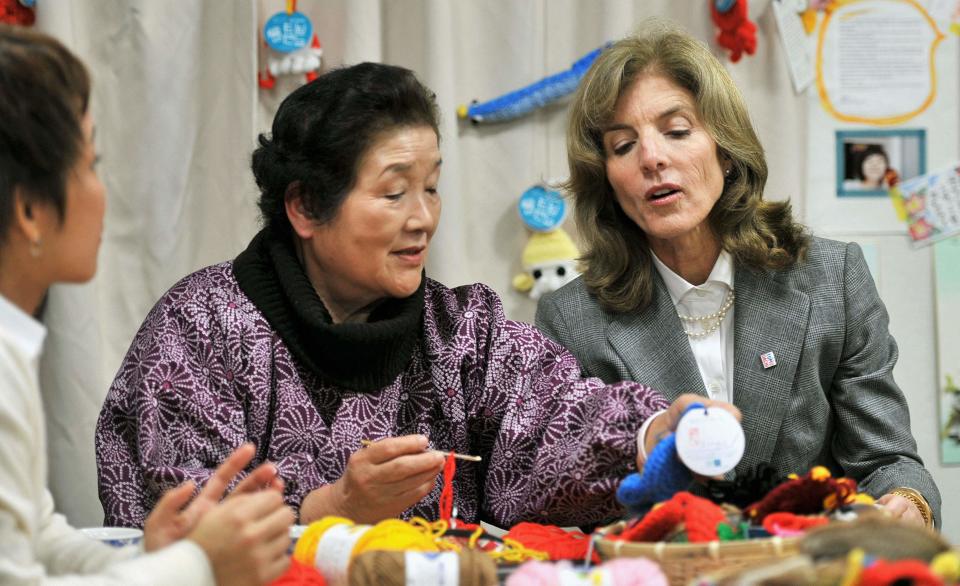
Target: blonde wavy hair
(616,265)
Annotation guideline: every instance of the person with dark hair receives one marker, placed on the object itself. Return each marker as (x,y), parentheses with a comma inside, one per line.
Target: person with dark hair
(870,168)
(51,216)
(325,332)
(692,282)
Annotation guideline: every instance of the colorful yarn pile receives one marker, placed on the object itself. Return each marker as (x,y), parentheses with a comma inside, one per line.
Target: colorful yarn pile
(331,543)
(557,543)
(863,570)
(619,572)
(391,568)
(787,524)
(813,493)
(699,517)
(509,549)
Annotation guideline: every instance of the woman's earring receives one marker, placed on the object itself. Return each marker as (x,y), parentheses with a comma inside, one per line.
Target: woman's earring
(36,248)
(726,173)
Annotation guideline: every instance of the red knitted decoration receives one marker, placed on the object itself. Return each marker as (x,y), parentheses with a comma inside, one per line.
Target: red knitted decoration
(699,516)
(12,12)
(884,573)
(446,495)
(550,539)
(806,495)
(780,523)
(300,575)
(737,33)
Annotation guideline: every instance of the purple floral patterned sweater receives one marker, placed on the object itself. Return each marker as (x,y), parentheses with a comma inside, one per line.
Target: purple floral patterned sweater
(206,372)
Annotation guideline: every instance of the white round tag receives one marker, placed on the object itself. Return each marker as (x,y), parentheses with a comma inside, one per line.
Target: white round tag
(710,442)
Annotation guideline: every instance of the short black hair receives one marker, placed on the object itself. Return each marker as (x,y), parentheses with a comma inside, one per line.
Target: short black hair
(44,93)
(868,150)
(323,129)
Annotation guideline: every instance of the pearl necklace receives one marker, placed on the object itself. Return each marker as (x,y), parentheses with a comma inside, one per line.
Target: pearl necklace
(704,320)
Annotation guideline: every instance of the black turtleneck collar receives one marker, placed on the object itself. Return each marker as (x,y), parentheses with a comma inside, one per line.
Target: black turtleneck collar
(358,356)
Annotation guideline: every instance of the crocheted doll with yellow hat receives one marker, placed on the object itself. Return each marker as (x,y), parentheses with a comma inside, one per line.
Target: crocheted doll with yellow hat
(549,257)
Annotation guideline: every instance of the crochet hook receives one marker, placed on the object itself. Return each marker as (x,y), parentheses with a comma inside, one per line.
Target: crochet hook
(467,457)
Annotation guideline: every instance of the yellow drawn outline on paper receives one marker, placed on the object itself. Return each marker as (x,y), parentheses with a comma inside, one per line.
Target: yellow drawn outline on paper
(889,120)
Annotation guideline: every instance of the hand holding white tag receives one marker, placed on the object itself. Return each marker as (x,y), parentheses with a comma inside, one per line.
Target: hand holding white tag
(710,442)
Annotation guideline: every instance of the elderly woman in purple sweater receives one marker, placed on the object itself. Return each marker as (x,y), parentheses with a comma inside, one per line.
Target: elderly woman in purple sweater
(325,332)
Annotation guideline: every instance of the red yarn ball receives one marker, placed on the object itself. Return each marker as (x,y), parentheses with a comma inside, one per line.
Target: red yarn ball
(558,543)
(300,575)
(884,573)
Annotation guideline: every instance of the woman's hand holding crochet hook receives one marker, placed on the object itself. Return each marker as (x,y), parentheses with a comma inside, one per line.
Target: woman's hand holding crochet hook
(381,481)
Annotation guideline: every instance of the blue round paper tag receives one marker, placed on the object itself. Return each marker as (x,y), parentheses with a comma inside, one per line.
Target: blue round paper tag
(541,209)
(286,33)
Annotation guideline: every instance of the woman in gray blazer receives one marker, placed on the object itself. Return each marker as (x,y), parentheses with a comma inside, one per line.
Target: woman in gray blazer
(693,283)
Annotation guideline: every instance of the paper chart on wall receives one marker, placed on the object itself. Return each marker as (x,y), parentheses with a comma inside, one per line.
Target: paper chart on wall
(875,61)
(947,275)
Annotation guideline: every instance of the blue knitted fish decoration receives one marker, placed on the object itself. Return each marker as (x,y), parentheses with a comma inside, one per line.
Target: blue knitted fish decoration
(527,99)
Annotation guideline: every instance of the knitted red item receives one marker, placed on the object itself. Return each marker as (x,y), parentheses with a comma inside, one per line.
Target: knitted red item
(12,12)
(810,494)
(300,575)
(737,33)
(558,543)
(884,573)
(446,495)
(778,523)
(699,516)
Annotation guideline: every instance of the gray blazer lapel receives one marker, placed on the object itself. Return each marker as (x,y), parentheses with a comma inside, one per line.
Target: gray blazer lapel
(770,317)
(653,347)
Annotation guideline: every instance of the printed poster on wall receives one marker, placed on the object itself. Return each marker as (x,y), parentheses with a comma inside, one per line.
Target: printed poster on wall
(947,275)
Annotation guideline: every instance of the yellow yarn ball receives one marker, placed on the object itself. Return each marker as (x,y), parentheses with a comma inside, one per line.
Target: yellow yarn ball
(306,550)
(395,535)
(947,566)
(389,535)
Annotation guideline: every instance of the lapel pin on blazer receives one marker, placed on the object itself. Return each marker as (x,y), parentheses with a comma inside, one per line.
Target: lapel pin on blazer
(768,359)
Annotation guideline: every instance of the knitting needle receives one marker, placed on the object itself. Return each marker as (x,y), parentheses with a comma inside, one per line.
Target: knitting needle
(467,457)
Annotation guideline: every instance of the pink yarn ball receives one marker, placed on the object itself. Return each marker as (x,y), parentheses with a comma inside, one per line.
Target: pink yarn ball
(635,572)
(534,573)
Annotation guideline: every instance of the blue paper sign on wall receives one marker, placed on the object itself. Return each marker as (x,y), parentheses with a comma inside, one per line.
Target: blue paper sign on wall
(541,209)
(286,33)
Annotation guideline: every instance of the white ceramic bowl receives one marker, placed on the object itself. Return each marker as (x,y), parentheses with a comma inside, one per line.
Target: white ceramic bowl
(115,536)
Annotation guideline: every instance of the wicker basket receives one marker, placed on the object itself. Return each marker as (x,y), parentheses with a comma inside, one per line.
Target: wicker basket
(682,562)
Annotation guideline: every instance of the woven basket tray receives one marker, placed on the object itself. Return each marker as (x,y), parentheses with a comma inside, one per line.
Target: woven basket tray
(682,562)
